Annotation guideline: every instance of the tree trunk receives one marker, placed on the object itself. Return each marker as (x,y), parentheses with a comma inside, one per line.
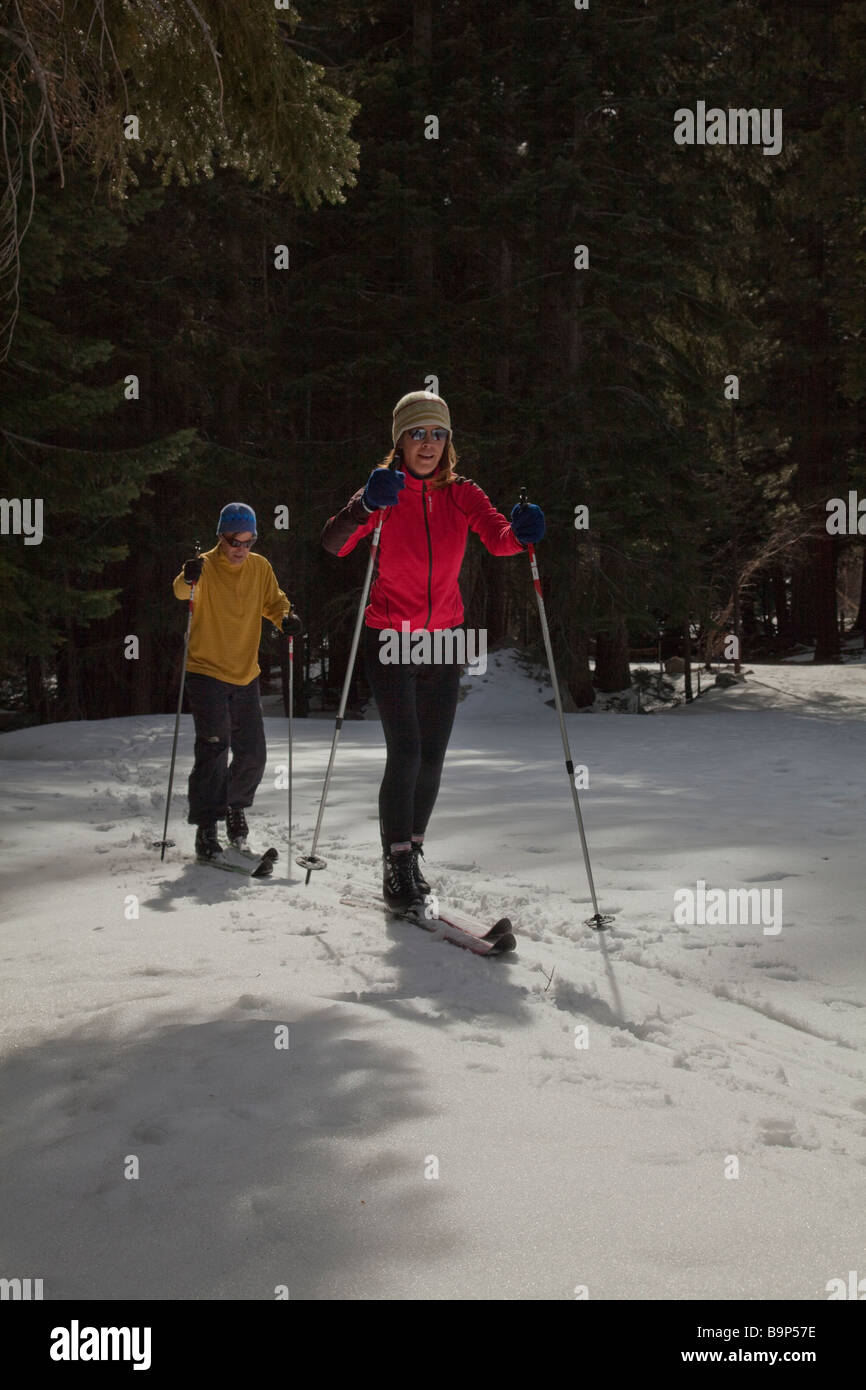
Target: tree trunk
(824,574)
(802,604)
(861,611)
(812,449)
(611,659)
(68,676)
(575,632)
(493,584)
(503,358)
(687,658)
(141,701)
(422,250)
(579,676)
(780,603)
(35,686)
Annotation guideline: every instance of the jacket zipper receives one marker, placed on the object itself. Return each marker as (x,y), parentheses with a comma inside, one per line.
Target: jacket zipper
(424,498)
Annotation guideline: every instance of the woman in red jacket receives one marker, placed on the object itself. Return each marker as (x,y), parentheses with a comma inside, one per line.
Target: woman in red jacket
(428,513)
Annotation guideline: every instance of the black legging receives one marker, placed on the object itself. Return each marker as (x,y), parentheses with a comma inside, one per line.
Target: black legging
(416,705)
(226,717)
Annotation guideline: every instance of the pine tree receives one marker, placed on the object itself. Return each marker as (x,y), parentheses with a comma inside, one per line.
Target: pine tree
(54,408)
(185,86)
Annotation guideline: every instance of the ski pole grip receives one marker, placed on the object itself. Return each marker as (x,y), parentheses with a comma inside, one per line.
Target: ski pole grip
(523,498)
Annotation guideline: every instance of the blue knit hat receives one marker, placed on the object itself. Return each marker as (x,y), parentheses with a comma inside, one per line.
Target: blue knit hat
(235,517)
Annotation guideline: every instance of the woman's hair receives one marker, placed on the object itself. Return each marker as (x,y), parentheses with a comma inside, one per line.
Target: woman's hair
(446,471)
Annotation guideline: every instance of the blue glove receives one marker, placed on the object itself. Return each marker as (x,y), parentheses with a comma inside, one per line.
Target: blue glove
(527,523)
(382,488)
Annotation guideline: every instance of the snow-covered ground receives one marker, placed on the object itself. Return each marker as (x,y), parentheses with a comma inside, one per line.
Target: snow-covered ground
(709,1048)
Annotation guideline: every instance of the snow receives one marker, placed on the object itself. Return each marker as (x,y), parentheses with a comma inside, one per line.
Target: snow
(559,1166)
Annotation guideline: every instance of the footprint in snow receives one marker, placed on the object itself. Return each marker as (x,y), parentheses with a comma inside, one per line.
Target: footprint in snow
(490,1038)
(770,878)
(150,1133)
(777,969)
(784,1134)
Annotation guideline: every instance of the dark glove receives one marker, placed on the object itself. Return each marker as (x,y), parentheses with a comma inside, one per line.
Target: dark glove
(527,523)
(383,486)
(192,569)
(292,625)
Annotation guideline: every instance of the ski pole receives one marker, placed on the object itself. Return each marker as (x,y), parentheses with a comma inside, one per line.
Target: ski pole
(598,921)
(164,844)
(312,861)
(291,707)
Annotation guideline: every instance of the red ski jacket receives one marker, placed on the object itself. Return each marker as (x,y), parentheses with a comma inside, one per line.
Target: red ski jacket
(421,549)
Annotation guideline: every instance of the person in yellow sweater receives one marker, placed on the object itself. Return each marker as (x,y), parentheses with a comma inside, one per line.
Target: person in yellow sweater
(234,591)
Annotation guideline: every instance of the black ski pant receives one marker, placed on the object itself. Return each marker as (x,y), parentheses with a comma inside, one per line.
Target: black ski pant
(416,705)
(226,717)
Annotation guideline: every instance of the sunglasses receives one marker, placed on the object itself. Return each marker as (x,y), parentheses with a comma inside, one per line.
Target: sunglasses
(419,434)
(239,545)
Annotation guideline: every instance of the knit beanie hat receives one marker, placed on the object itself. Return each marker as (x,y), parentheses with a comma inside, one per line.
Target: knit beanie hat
(236,517)
(419,408)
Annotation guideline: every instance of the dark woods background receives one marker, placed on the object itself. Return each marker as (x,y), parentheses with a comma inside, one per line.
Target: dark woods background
(414,257)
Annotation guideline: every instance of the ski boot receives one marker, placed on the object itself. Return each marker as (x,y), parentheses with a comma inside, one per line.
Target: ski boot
(398,884)
(420,881)
(237,828)
(207,845)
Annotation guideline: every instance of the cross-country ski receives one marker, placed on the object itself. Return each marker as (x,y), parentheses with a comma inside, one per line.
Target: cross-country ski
(236,861)
(459,928)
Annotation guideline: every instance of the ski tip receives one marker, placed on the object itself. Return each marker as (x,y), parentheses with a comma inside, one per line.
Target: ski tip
(503,944)
(503,927)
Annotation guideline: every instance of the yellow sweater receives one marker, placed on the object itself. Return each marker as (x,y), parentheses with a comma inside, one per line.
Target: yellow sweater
(228,606)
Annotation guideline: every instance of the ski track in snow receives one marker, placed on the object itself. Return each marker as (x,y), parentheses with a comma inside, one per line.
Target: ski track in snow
(155,1036)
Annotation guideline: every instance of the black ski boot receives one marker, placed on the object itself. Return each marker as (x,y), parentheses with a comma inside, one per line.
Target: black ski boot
(398,883)
(236,827)
(207,845)
(420,881)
